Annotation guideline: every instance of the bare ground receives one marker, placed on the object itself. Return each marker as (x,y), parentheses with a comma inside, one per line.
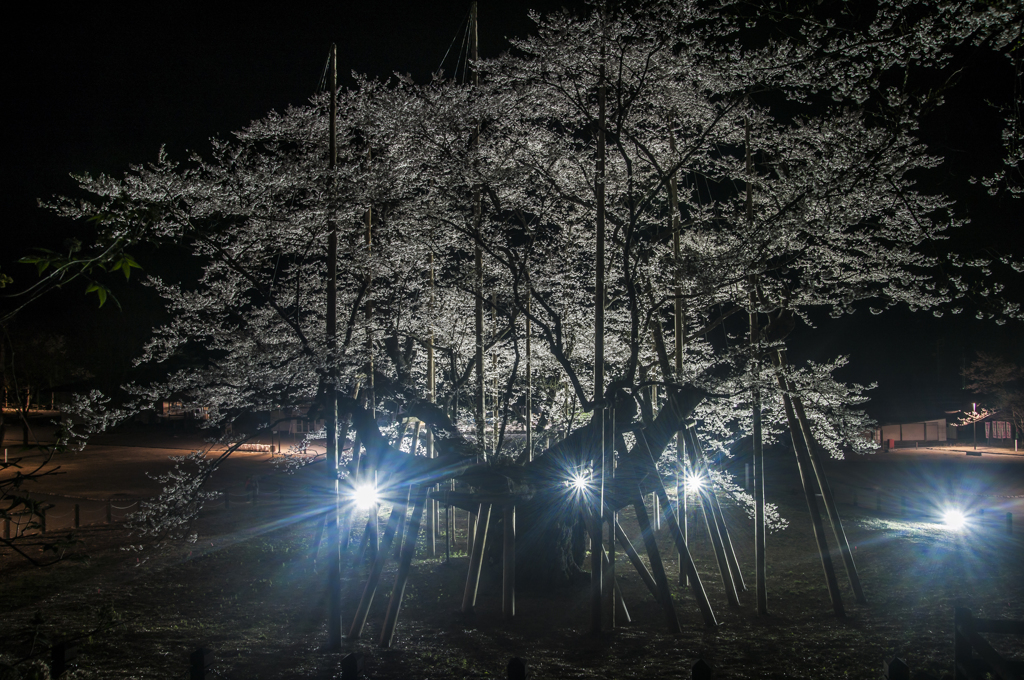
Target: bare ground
(249,590)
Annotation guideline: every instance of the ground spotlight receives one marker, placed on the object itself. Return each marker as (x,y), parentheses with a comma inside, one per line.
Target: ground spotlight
(954,519)
(579,481)
(365,495)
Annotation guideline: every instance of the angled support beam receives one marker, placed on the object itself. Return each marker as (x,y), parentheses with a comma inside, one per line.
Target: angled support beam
(412,532)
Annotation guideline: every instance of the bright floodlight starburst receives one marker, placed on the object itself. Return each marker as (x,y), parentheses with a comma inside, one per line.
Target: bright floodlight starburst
(954,519)
(578,482)
(365,495)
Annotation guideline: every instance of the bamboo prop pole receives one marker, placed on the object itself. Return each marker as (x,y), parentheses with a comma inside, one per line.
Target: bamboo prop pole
(334,623)
(596,571)
(508,559)
(723,527)
(696,585)
(711,523)
(529,379)
(760,562)
(680,339)
(476,558)
(660,578)
(808,483)
(494,375)
(620,602)
(369,590)
(638,564)
(387,634)
(611,518)
(596,526)
(432,505)
(826,492)
(479,405)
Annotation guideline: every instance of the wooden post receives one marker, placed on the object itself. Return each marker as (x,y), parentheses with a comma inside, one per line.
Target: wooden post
(412,532)
(596,527)
(826,495)
(110,510)
(476,558)
(478,281)
(508,566)
(529,377)
(806,480)
(7,527)
(334,624)
(723,527)
(760,563)
(638,564)
(78,516)
(42,519)
(712,525)
(359,618)
(657,567)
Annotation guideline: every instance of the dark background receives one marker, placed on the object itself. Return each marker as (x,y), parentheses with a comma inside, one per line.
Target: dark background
(94,89)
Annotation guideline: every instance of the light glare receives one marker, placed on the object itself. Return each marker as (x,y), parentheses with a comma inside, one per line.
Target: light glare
(954,519)
(365,496)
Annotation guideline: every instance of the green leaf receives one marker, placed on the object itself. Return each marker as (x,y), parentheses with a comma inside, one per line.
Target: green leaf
(100,290)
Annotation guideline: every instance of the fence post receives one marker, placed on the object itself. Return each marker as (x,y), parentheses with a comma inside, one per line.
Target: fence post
(110,516)
(7,527)
(78,515)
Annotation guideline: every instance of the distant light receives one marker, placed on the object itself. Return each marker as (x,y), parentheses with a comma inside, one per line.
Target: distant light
(365,496)
(954,519)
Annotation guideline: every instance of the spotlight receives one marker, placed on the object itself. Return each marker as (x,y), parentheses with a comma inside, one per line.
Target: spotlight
(578,482)
(954,519)
(365,496)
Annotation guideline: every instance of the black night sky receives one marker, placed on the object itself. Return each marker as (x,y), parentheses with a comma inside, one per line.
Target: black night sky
(93,89)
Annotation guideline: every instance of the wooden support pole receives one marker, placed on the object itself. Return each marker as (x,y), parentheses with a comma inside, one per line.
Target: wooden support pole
(608,577)
(476,558)
(508,562)
(596,571)
(657,567)
(807,481)
(78,515)
(334,623)
(369,590)
(620,602)
(638,564)
(696,586)
(723,527)
(760,523)
(412,532)
(712,526)
(830,502)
